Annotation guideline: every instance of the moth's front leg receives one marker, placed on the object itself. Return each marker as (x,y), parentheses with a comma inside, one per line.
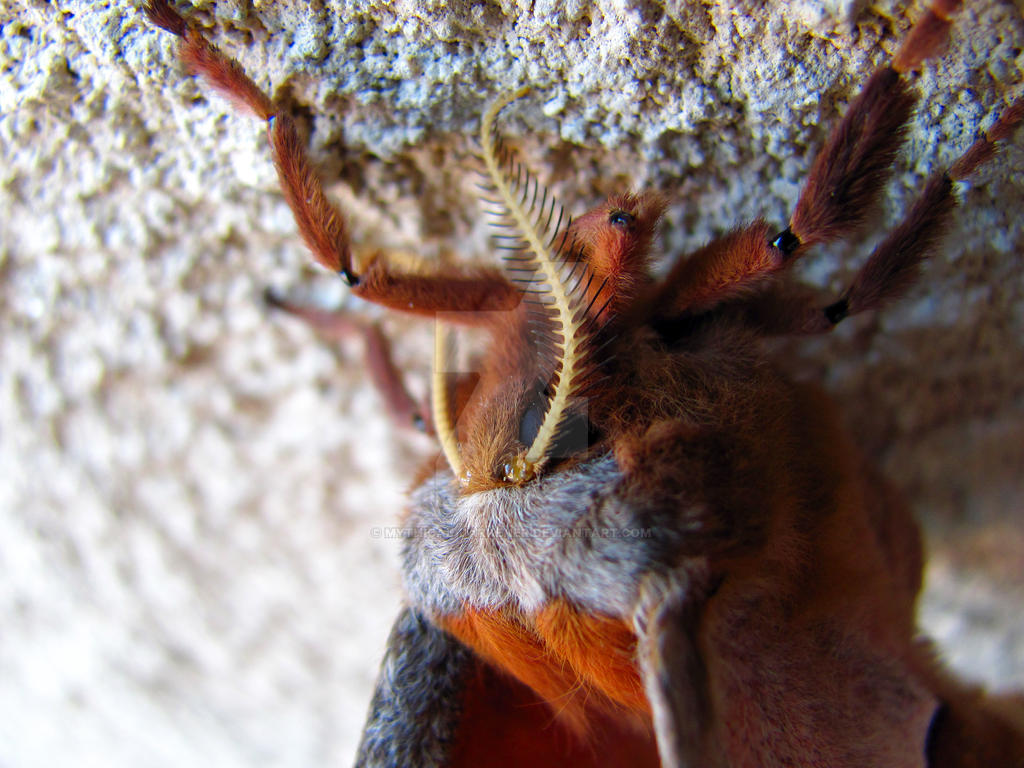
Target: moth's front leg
(666,622)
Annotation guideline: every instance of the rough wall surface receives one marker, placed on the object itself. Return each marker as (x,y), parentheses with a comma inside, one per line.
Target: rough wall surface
(190,487)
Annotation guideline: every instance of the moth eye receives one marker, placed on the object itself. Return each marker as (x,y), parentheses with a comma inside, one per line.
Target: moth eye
(529,424)
(620,219)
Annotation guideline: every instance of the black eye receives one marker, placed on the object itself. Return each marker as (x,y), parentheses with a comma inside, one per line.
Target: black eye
(620,219)
(529,424)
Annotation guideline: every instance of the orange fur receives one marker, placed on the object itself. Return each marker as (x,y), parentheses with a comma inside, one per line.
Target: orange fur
(601,649)
(618,254)
(466,295)
(225,75)
(580,664)
(927,37)
(726,267)
(322,226)
(510,644)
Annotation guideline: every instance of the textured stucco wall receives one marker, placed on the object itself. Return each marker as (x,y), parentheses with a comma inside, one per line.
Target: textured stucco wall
(189,484)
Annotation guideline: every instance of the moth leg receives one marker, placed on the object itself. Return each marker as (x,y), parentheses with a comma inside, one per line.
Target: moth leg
(338,325)
(320,222)
(895,263)
(727,267)
(841,190)
(849,172)
(666,622)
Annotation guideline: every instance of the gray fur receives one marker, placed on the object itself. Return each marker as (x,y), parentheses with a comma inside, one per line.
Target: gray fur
(415,710)
(568,535)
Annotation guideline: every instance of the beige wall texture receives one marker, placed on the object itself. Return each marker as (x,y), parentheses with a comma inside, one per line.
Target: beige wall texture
(190,485)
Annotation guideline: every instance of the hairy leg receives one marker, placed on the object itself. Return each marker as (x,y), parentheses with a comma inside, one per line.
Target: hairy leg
(467,293)
(843,187)
(895,262)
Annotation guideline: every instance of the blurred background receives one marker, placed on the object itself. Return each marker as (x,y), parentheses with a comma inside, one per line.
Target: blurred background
(190,484)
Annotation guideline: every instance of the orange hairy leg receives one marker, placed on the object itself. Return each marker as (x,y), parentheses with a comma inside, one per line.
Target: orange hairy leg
(404,411)
(842,188)
(894,264)
(321,224)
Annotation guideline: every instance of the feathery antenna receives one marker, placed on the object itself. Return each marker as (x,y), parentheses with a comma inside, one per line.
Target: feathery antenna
(440,402)
(521,205)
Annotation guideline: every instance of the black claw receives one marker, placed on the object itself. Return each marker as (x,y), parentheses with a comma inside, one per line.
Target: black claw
(836,312)
(786,242)
(273,299)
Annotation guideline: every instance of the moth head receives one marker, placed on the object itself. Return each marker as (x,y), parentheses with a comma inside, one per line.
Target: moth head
(499,430)
(497,436)
(570,277)
(615,240)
